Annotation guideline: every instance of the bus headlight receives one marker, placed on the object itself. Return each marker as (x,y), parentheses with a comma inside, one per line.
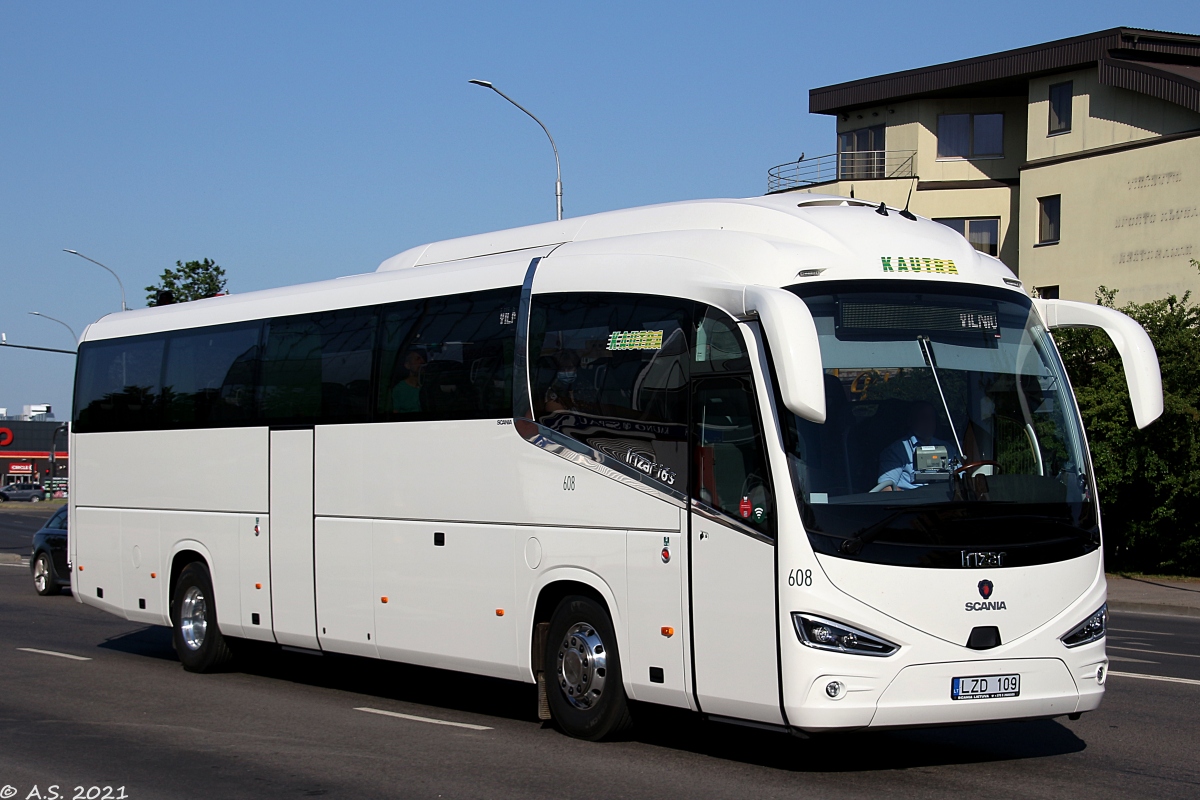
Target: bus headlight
(1089,630)
(825,634)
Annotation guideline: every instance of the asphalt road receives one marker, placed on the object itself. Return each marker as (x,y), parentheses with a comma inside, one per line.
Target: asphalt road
(288,725)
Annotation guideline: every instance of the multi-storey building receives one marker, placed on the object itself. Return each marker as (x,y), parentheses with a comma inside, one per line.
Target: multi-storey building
(1076,162)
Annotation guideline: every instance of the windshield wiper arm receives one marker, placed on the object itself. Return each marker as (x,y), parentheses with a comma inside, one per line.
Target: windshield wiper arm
(927,351)
(854,545)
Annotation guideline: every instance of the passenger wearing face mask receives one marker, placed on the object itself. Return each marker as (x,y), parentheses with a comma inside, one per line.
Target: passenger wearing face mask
(561,394)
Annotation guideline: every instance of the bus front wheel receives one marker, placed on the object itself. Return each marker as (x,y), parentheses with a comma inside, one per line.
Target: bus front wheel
(198,642)
(583,671)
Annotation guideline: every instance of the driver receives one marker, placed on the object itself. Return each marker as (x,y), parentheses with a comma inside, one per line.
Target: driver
(896,467)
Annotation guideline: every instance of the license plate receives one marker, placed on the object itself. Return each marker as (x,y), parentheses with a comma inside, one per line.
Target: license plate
(985,687)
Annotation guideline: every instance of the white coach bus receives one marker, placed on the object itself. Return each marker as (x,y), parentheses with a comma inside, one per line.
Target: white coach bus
(794,461)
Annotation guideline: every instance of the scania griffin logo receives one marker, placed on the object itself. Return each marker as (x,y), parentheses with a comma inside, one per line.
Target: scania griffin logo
(986,588)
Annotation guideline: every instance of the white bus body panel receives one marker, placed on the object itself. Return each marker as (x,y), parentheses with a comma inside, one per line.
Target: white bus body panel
(656,602)
(293,581)
(225,469)
(733,579)
(447,605)
(1029,595)
(345,594)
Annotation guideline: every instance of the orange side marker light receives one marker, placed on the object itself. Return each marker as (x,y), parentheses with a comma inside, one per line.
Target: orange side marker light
(668,631)
(152,574)
(499,612)
(383,599)
(81,568)
(258,586)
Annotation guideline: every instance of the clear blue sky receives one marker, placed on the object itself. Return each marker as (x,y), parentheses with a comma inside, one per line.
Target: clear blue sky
(297,141)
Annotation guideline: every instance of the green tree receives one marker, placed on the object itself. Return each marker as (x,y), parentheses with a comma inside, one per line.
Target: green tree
(1149,480)
(191,281)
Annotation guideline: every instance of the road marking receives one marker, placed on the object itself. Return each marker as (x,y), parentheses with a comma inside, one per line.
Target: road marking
(1154,677)
(1155,652)
(1132,660)
(1149,633)
(425,719)
(52,653)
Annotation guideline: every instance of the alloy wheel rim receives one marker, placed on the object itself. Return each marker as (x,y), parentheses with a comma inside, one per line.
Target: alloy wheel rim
(40,574)
(193,618)
(582,666)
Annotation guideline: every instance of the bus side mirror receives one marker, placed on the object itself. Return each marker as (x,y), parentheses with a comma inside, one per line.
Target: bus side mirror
(1133,344)
(796,352)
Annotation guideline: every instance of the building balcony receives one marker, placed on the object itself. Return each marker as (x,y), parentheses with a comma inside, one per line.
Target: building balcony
(864,165)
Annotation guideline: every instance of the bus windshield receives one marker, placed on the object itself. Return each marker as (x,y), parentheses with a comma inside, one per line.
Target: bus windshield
(951,437)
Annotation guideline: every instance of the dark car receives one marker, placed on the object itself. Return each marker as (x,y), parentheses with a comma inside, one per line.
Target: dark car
(49,562)
(33,492)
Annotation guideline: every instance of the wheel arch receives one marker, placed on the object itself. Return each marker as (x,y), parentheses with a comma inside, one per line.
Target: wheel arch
(560,584)
(185,553)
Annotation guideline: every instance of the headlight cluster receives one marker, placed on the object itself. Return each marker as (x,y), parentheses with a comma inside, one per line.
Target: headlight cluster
(1089,630)
(824,634)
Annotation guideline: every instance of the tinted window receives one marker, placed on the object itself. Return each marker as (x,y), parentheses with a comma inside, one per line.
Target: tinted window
(317,367)
(448,357)
(58,522)
(611,371)
(730,459)
(118,384)
(209,376)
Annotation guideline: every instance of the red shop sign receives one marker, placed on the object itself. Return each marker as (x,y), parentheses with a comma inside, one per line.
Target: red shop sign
(20,469)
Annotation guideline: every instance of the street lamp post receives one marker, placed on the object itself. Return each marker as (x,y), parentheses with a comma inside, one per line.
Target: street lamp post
(74,338)
(557,165)
(110,272)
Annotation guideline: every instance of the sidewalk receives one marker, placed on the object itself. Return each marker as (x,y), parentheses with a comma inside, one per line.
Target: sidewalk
(1179,597)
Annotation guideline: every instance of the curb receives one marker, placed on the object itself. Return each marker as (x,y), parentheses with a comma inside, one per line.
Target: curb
(1154,608)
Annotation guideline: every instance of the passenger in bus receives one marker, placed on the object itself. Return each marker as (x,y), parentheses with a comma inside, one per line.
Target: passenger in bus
(560,396)
(406,395)
(897,470)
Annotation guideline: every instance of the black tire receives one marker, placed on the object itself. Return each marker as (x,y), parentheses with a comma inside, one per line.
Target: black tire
(195,633)
(45,582)
(34,499)
(583,672)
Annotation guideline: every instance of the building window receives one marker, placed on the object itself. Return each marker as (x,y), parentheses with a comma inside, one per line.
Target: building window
(970,136)
(861,153)
(1060,108)
(1047,292)
(1048,219)
(983,233)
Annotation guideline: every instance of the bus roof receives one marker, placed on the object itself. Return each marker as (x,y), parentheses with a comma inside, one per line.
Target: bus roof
(776,240)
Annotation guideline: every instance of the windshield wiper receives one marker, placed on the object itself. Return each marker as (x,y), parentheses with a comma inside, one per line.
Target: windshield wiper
(854,545)
(927,351)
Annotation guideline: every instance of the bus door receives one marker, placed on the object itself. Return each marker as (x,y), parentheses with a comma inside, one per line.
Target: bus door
(293,594)
(733,553)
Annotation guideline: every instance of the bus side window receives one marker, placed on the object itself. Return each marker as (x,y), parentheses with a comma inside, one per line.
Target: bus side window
(119,384)
(317,367)
(448,357)
(610,370)
(209,376)
(730,459)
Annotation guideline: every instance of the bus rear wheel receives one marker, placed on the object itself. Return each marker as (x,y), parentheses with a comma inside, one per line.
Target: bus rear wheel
(198,641)
(583,671)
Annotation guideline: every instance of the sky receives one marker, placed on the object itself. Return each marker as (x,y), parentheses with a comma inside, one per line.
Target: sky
(295,142)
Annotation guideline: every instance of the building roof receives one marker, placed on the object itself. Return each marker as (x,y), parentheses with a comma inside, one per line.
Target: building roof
(1155,63)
